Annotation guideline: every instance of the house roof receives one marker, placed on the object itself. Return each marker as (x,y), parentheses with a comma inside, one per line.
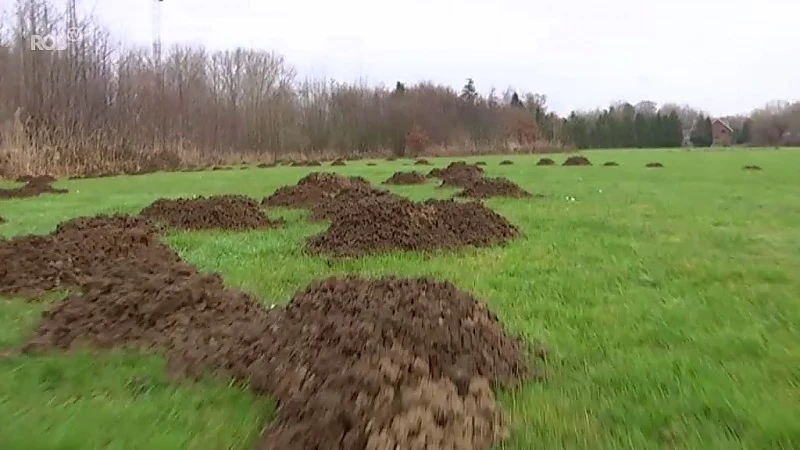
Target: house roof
(723,122)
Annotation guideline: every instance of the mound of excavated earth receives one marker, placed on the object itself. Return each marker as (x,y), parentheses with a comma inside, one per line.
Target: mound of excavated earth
(2,220)
(610,164)
(422,162)
(219,212)
(752,167)
(545,162)
(434,173)
(460,174)
(34,186)
(312,189)
(406,178)
(506,162)
(577,161)
(77,249)
(383,224)
(339,162)
(654,165)
(493,187)
(333,206)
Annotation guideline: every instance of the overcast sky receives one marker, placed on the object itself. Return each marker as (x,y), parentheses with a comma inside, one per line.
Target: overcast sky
(724,56)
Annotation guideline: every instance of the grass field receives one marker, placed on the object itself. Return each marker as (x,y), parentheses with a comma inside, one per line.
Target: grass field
(670,299)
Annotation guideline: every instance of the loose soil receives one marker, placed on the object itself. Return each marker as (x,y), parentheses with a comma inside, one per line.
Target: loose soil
(221,212)
(460,174)
(577,161)
(546,162)
(751,167)
(506,162)
(339,162)
(493,187)
(379,225)
(371,164)
(266,165)
(480,163)
(2,220)
(329,208)
(353,363)
(434,173)
(34,187)
(610,164)
(312,189)
(422,162)
(654,165)
(406,178)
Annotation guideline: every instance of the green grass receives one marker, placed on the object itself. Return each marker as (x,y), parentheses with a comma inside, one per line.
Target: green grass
(670,298)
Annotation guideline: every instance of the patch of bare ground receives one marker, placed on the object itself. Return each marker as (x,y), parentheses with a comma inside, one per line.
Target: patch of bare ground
(378,225)
(312,189)
(220,212)
(577,160)
(34,187)
(406,178)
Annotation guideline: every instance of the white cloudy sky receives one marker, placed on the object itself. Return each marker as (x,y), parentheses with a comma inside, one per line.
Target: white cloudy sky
(725,56)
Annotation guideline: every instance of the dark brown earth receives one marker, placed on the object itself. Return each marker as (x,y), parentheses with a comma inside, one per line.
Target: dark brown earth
(493,187)
(480,163)
(2,220)
(353,363)
(339,162)
(77,249)
(545,162)
(434,173)
(371,164)
(460,174)
(329,208)
(266,165)
(311,189)
(406,178)
(654,165)
(422,162)
(752,167)
(34,187)
(379,225)
(506,162)
(577,161)
(221,212)
(610,164)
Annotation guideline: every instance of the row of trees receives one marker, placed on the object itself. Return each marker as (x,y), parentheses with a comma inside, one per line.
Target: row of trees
(97,105)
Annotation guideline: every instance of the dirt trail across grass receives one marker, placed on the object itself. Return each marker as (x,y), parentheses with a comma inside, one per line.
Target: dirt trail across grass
(354,363)
(34,187)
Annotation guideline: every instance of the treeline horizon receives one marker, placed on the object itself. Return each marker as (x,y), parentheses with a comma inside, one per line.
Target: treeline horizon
(100,106)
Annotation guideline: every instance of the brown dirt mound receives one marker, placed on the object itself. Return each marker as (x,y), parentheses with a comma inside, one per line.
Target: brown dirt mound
(391,158)
(577,161)
(266,165)
(406,178)
(371,164)
(752,167)
(610,164)
(329,208)
(654,165)
(2,220)
(422,162)
(312,189)
(506,162)
(493,187)
(77,249)
(460,174)
(545,162)
(34,187)
(339,162)
(313,164)
(378,225)
(434,173)
(219,212)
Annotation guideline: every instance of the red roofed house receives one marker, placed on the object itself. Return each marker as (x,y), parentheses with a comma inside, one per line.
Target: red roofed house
(722,132)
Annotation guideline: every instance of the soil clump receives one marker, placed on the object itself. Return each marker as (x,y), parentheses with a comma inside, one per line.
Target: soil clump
(219,212)
(402,178)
